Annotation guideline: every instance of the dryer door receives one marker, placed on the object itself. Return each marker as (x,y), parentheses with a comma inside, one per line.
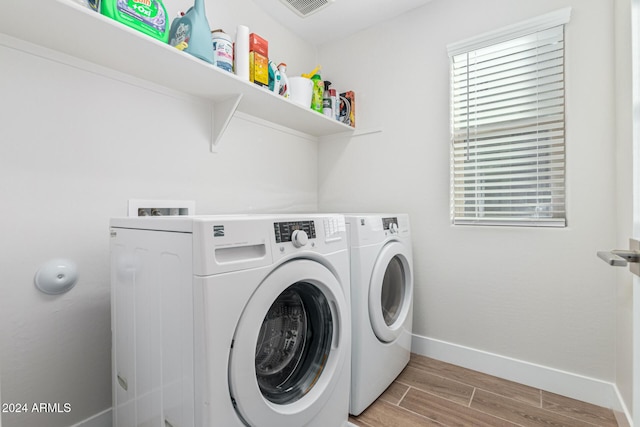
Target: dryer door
(290,346)
(391,291)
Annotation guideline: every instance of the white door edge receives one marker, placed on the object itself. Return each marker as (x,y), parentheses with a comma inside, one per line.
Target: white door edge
(635,42)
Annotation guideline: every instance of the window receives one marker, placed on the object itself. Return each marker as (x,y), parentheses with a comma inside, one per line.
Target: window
(507,126)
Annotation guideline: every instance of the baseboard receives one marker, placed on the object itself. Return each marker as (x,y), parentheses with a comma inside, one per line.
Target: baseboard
(568,384)
(102,419)
(620,410)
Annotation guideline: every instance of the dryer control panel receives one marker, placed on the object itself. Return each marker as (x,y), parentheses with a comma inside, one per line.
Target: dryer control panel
(387,223)
(284,231)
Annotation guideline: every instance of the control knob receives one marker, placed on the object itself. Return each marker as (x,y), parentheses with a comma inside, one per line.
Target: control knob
(299,238)
(393,228)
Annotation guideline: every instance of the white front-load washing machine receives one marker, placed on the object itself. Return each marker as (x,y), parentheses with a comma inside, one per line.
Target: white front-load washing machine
(230,321)
(381,303)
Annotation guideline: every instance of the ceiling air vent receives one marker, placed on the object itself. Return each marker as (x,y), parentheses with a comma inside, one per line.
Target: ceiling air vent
(304,8)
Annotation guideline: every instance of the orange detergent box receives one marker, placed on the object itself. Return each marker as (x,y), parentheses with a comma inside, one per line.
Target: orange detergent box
(348,108)
(259,45)
(258,69)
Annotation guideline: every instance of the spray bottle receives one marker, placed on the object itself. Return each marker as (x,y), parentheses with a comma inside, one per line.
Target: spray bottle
(193,29)
(327,109)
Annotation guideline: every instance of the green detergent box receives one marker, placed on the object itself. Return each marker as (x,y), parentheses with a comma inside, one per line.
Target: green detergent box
(147,16)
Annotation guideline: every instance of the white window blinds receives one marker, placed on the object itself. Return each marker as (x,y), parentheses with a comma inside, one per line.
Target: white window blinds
(508,138)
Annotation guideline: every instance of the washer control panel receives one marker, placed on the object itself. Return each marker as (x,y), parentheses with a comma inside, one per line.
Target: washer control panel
(294,231)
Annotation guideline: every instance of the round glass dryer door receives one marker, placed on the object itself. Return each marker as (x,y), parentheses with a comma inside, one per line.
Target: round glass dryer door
(290,346)
(393,290)
(294,343)
(390,291)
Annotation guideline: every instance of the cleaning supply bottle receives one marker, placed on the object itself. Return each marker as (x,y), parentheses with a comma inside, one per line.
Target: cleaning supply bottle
(316,97)
(91,4)
(94,4)
(222,50)
(147,16)
(284,80)
(327,105)
(310,75)
(274,78)
(335,108)
(193,29)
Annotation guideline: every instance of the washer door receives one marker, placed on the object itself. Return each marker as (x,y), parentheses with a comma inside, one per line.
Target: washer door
(390,291)
(289,347)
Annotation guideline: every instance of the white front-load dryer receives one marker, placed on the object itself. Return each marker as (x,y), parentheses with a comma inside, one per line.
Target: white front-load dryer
(231,321)
(381,303)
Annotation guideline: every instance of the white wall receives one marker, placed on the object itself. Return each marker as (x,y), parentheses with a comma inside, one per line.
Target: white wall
(76,143)
(536,295)
(70,158)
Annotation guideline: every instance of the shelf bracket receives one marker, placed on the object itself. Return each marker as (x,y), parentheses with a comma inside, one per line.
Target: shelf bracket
(222,112)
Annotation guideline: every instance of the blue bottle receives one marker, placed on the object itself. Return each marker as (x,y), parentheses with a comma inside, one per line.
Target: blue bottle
(193,30)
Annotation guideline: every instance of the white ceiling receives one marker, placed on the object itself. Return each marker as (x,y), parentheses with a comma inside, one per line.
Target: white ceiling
(339,19)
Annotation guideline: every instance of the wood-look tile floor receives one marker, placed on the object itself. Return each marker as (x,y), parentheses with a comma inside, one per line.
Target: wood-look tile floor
(433,393)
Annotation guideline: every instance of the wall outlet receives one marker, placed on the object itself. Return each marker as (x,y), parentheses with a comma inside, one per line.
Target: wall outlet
(161,207)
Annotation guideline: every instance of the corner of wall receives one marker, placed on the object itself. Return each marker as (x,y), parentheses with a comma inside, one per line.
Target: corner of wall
(620,410)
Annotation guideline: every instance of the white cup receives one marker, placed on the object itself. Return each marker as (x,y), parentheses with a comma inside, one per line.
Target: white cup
(300,90)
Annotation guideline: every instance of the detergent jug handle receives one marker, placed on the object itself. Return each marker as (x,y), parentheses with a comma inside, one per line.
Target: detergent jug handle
(199,6)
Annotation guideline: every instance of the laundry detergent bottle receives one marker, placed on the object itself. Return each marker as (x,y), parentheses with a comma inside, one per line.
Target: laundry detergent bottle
(284,80)
(318,90)
(192,29)
(274,77)
(147,16)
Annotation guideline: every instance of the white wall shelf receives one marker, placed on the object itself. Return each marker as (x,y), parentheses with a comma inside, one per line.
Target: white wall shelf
(82,33)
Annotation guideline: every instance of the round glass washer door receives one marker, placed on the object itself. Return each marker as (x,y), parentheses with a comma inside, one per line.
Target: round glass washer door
(289,346)
(390,291)
(294,343)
